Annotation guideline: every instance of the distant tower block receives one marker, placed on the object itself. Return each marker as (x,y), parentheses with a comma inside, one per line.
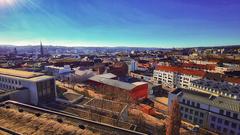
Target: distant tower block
(41,48)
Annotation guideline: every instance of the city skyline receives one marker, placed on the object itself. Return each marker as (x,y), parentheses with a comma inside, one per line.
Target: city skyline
(124,23)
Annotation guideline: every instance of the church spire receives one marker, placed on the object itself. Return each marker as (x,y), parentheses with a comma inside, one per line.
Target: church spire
(41,48)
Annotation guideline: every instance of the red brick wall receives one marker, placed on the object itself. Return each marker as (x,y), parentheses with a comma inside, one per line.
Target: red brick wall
(139,92)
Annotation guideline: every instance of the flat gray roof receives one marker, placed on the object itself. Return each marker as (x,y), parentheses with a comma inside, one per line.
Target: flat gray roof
(19,73)
(25,75)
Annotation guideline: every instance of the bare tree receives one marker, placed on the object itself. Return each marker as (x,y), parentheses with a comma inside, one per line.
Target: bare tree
(174,120)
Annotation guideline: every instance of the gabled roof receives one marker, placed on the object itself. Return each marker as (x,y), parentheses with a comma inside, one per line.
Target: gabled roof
(111,82)
(107,79)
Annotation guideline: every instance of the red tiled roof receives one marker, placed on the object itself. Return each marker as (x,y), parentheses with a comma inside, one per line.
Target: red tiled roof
(232,80)
(182,70)
(146,65)
(199,66)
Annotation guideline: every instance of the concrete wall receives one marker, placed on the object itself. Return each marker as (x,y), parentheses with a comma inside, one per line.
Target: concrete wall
(22,96)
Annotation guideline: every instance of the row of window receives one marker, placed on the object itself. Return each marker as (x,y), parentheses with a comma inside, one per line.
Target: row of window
(188,102)
(228,114)
(12,81)
(191,111)
(224,130)
(5,86)
(195,120)
(224,122)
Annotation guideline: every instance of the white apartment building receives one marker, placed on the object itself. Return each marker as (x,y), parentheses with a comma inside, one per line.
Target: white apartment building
(175,77)
(215,113)
(132,65)
(40,88)
(59,72)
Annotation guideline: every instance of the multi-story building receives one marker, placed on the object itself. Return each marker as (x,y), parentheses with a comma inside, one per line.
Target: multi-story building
(119,89)
(40,88)
(132,65)
(145,76)
(176,76)
(59,72)
(215,113)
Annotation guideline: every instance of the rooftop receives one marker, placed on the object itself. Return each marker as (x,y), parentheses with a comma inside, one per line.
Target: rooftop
(28,123)
(107,75)
(111,82)
(199,66)
(181,70)
(19,73)
(221,88)
(27,119)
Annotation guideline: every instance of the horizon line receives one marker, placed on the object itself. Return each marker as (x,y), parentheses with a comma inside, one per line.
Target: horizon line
(95,46)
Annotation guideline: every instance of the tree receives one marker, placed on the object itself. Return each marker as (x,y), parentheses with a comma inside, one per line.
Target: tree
(174,120)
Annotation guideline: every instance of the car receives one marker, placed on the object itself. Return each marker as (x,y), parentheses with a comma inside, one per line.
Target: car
(195,128)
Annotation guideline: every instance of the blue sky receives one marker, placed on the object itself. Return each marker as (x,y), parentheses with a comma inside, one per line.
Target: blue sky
(138,23)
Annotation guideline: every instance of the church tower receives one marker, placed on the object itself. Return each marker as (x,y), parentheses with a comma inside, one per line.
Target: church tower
(41,48)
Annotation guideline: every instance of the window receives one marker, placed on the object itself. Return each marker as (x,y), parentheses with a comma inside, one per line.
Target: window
(221,112)
(191,111)
(190,117)
(200,121)
(185,116)
(198,105)
(201,114)
(195,120)
(196,113)
(235,115)
(186,109)
(232,132)
(188,102)
(219,120)
(233,125)
(181,108)
(212,125)
(213,118)
(225,130)
(226,122)
(219,128)
(228,113)
(183,101)
(193,103)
